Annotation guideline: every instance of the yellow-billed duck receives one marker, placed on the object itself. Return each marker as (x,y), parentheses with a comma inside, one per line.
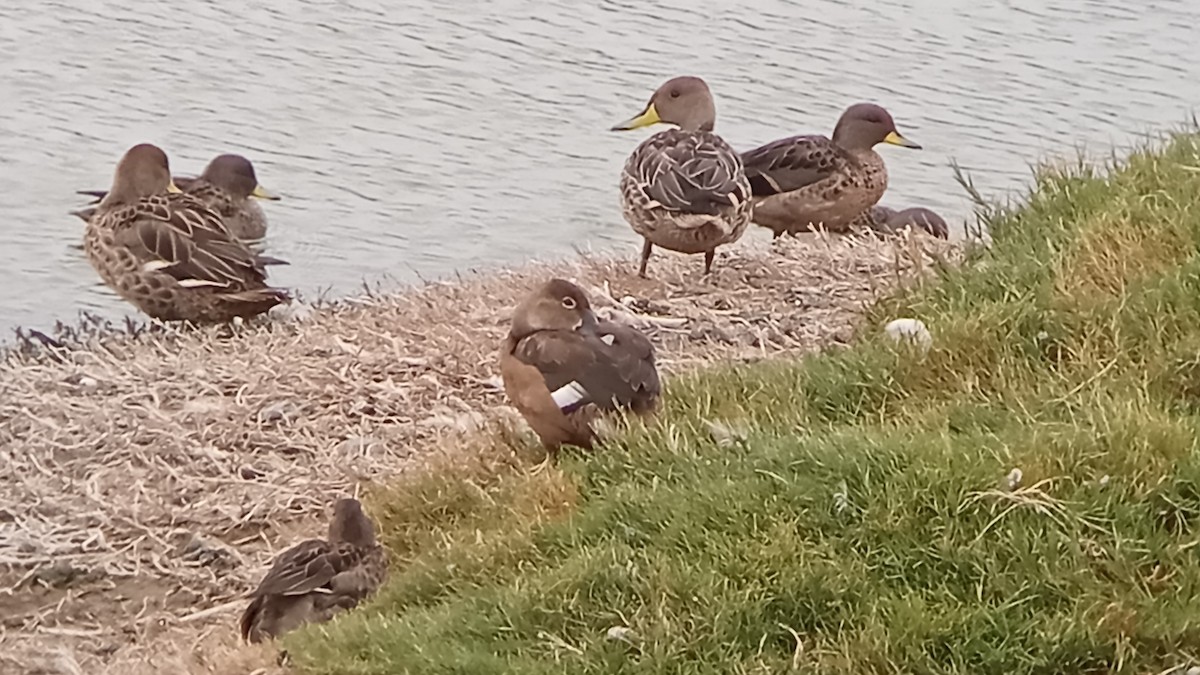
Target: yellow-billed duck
(684,189)
(561,366)
(229,186)
(803,182)
(168,254)
(317,578)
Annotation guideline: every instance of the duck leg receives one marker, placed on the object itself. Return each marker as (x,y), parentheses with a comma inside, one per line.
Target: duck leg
(645,258)
(708,260)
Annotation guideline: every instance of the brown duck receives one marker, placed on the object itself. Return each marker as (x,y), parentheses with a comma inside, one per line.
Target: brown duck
(886,220)
(315,579)
(561,367)
(803,182)
(170,255)
(683,189)
(228,186)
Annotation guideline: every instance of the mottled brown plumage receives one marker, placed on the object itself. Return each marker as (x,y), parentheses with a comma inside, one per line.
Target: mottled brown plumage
(317,578)
(170,255)
(887,220)
(683,189)
(561,366)
(228,186)
(802,182)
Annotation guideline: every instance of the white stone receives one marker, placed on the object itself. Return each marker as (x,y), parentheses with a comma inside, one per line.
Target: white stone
(913,330)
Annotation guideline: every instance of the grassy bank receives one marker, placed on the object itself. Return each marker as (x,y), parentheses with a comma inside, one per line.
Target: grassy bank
(860,517)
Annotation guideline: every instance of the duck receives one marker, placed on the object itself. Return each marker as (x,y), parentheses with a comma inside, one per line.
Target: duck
(227,186)
(561,366)
(317,578)
(886,220)
(169,254)
(683,189)
(802,182)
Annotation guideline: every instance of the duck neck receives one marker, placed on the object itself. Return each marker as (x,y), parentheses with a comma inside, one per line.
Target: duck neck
(701,116)
(120,193)
(847,137)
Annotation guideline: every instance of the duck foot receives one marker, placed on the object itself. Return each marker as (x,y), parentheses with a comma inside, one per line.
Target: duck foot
(646,248)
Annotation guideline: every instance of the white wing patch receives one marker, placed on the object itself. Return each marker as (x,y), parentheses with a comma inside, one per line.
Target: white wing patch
(155,265)
(608,339)
(568,395)
(199,283)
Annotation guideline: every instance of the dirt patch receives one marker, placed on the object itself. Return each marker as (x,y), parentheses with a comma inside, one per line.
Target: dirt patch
(151,477)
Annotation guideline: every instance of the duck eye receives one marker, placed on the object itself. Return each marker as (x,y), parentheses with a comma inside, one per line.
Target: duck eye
(674,93)
(568,302)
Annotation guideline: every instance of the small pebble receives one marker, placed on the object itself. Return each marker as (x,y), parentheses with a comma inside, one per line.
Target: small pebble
(1104,482)
(622,633)
(1014,479)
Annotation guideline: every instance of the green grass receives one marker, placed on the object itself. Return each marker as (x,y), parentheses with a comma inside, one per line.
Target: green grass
(865,524)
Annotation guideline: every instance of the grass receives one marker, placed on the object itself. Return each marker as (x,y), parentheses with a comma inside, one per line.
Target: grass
(862,520)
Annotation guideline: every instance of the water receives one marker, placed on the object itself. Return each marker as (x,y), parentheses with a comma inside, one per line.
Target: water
(412,139)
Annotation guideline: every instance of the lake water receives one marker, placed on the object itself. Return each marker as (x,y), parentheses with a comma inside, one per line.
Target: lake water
(416,138)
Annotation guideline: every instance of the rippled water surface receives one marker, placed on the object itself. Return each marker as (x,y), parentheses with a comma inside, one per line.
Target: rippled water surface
(415,138)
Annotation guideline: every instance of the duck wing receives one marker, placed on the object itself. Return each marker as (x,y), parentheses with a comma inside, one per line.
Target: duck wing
(791,163)
(688,172)
(181,236)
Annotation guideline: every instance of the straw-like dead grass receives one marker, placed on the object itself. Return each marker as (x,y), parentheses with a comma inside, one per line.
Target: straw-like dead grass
(150,478)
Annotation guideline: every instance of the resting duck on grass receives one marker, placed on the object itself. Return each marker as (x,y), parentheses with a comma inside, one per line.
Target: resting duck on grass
(886,220)
(562,367)
(317,578)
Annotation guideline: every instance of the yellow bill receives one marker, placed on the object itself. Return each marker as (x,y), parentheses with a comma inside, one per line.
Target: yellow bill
(263,193)
(894,138)
(646,118)
(173,188)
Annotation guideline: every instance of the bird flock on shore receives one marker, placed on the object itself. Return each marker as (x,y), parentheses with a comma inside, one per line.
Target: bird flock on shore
(191,249)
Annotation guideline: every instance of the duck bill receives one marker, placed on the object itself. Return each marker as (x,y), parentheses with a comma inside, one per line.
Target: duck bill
(894,138)
(644,119)
(263,193)
(588,321)
(172,188)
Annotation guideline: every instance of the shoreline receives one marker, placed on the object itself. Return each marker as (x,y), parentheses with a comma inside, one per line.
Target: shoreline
(154,475)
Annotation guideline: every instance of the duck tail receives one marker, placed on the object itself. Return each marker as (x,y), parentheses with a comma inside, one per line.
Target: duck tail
(248,624)
(268,260)
(84,214)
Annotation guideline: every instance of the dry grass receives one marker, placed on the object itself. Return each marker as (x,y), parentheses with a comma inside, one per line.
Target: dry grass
(151,477)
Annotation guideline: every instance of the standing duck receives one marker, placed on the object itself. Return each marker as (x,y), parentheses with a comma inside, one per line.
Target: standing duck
(561,367)
(886,220)
(226,186)
(684,189)
(168,254)
(317,578)
(803,182)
